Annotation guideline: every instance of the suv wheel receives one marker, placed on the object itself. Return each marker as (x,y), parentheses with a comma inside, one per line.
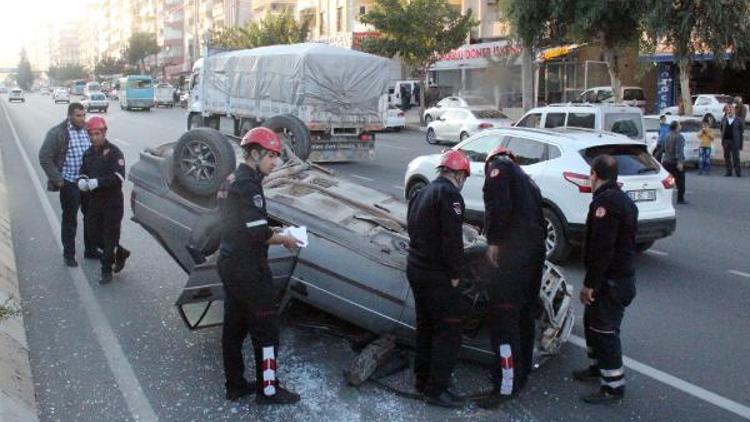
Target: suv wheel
(414,188)
(463,136)
(430,137)
(556,243)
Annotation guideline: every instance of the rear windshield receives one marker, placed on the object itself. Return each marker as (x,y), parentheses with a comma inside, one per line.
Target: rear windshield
(628,124)
(97,97)
(633,95)
(488,114)
(16,91)
(632,160)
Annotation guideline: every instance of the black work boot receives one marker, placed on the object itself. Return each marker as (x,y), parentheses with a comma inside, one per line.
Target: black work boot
(121,255)
(235,393)
(444,399)
(70,261)
(605,396)
(589,374)
(282,397)
(106,278)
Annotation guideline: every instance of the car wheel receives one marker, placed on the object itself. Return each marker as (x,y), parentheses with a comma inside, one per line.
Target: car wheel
(463,136)
(293,133)
(195,121)
(203,158)
(644,246)
(414,188)
(430,137)
(427,119)
(710,119)
(555,242)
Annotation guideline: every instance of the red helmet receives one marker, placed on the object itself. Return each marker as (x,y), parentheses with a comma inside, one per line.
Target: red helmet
(500,150)
(263,136)
(96,123)
(456,161)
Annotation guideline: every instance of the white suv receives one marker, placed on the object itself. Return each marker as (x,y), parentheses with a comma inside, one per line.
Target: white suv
(559,162)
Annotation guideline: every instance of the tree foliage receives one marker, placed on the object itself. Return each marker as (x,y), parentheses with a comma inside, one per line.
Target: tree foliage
(140,46)
(24,76)
(537,23)
(271,30)
(67,72)
(109,66)
(417,31)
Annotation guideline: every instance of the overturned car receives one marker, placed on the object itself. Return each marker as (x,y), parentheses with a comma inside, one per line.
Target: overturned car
(355,264)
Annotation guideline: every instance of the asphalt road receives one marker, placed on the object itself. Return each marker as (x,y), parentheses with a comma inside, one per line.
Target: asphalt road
(121,352)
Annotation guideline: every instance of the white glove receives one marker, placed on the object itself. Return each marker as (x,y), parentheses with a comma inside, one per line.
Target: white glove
(83,185)
(93,184)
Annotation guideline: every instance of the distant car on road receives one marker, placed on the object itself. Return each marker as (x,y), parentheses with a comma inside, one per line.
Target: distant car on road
(16,94)
(559,162)
(631,95)
(457,124)
(689,127)
(95,101)
(61,96)
(474,102)
(164,95)
(44,91)
(395,119)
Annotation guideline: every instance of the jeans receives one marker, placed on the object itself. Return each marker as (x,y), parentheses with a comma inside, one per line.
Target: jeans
(731,156)
(704,159)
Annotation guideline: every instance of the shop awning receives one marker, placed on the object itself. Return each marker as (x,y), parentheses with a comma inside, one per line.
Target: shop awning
(555,52)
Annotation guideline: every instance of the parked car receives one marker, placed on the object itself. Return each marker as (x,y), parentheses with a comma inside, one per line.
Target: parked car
(457,124)
(61,96)
(395,119)
(354,265)
(617,118)
(558,161)
(706,106)
(689,127)
(95,101)
(16,94)
(631,95)
(44,91)
(394,93)
(477,103)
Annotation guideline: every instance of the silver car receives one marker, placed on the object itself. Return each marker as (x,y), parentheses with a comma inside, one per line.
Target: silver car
(457,124)
(16,95)
(95,101)
(61,96)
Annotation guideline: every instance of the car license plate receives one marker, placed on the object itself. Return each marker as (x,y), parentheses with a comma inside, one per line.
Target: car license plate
(642,195)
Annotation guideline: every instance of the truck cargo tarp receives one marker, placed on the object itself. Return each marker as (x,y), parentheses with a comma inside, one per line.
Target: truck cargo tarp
(315,81)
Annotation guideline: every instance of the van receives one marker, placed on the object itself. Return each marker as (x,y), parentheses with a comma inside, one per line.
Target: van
(617,118)
(136,91)
(394,94)
(631,95)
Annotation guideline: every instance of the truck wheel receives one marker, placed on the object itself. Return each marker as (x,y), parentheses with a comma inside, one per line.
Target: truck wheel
(195,121)
(556,243)
(203,158)
(293,132)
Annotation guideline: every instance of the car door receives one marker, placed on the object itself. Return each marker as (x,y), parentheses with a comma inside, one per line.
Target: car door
(456,124)
(701,106)
(447,123)
(440,126)
(476,151)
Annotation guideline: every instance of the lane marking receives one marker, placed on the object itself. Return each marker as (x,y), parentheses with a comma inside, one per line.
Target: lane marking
(120,141)
(367,179)
(656,252)
(127,382)
(678,383)
(394,147)
(739,273)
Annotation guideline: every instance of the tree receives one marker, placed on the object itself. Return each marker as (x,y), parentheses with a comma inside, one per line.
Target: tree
(613,26)
(109,66)
(418,31)
(66,72)
(140,46)
(699,26)
(24,76)
(271,30)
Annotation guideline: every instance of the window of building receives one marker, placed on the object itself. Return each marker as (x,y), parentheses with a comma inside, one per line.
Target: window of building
(362,10)
(339,19)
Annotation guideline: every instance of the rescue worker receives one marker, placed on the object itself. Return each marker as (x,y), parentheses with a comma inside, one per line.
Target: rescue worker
(101,175)
(436,255)
(243,267)
(609,285)
(515,231)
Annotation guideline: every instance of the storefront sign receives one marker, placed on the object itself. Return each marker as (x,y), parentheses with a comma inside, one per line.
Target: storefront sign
(475,55)
(664,85)
(351,40)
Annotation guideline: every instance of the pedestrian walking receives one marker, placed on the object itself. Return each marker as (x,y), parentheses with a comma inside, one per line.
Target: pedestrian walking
(609,284)
(405,97)
(674,159)
(101,177)
(732,129)
(706,139)
(249,303)
(516,232)
(61,156)
(436,255)
(740,110)
(658,151)
(417,98)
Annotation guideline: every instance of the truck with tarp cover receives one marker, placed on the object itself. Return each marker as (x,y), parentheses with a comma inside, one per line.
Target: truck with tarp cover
(325,101)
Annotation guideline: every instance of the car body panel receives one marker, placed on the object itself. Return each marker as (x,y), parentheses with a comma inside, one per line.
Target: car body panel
(690,128)
(457,122)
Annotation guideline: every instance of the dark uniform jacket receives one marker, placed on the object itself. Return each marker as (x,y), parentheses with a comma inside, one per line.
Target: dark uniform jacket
(609,247)
(52,154)
(435,224)
(107,165)
(732,134)
(513,206)
(246,228)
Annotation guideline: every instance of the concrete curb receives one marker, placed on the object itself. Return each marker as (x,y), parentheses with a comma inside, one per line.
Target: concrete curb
(17,398)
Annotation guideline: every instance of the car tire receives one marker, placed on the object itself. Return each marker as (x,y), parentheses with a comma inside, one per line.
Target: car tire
(203,158)
(293,132)
(430,136)
(427,119)
(195,121)
(641,247)
(556,243)
(463,136)
(710,119)
(414,188)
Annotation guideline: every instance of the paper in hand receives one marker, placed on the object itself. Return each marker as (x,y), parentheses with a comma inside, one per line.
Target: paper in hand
(299,233)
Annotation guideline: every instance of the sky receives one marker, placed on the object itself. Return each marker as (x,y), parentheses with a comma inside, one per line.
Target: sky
(20,18)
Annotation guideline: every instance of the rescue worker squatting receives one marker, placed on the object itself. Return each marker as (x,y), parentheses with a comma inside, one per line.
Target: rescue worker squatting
(609,286)
(436,254)
(515,231)
(243,267)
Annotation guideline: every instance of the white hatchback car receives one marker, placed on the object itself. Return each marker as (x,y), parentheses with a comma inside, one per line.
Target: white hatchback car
(457,124)
(559,162)
(95,101)
(61,96)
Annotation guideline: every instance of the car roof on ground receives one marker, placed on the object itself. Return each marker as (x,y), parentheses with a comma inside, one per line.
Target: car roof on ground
(576,138)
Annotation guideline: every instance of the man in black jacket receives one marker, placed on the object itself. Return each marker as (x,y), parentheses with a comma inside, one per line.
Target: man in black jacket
(61,157)
(515,230)
(609,285)
(732,128)
(436,255)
